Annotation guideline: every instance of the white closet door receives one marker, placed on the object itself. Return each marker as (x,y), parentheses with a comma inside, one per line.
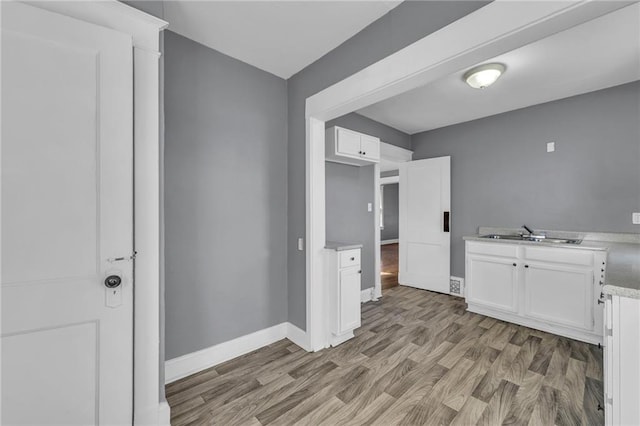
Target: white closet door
(67,214)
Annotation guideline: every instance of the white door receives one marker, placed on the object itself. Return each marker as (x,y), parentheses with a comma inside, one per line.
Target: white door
(67,203)
(349,299)
(424,206)
(558,293)
(348,142)
(493,282)
(370,147)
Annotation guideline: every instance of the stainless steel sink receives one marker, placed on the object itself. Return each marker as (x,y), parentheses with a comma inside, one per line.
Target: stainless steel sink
(532,239)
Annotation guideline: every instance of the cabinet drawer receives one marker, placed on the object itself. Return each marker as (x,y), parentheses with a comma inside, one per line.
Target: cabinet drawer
(492,249)
(349,258)
(559,255)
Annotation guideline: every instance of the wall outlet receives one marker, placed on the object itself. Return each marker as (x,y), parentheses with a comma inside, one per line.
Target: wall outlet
(551,146)
(369,207)
(635,218)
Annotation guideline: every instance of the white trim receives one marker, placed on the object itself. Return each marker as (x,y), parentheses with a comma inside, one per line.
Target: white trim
(377,284)
(395,153)
(367,295)
(191,363)
(164,414)
(297,336)
(389,180)
(494,29)
(194,362)
(392,241)
(144,30)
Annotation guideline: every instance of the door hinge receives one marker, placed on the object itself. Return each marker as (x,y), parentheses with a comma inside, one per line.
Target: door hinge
(608,332)
(120,259)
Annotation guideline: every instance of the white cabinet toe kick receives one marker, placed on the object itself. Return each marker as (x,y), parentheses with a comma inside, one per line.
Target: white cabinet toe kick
(557,290)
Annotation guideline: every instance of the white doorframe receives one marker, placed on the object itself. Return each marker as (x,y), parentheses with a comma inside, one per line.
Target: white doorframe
(494,29)
(377,288)
(144,30)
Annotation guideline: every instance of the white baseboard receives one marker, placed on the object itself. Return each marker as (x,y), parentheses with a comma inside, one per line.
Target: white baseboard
(188,364)
(194,362)
(164,414)
(394,241)
(366,295)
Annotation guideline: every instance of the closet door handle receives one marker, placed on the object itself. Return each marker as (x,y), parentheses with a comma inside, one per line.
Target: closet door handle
(445,217)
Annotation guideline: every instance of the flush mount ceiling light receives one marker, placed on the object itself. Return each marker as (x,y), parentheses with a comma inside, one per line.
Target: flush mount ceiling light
(484,75)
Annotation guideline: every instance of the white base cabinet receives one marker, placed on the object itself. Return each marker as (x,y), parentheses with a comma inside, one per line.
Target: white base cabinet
(343,276)
(547,288)
(622,361)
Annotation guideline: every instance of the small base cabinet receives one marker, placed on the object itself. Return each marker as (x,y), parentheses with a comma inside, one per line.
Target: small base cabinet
(621,361)
(551,289)
(343,276)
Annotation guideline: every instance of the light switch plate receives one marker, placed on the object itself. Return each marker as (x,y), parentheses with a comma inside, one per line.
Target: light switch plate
(369,207)
(635,218)
(301,244)
(551,146)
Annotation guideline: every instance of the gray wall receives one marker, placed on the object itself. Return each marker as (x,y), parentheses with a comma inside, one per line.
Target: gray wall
(225,197)
(410,21)
(501,174)
(348,190)
(390,212)
(362,124)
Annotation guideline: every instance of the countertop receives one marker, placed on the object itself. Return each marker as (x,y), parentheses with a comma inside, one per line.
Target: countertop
(623,254)
(341,246)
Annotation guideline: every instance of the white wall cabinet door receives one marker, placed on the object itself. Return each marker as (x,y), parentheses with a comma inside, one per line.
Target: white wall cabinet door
(370,147)
(349,299)
(348,143)
(67,195)
(493,282)
(559,293)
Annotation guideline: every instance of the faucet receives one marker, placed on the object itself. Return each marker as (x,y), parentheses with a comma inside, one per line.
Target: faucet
(532,233)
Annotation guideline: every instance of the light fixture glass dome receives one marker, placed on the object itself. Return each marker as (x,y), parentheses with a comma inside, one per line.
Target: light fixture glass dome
(484,75)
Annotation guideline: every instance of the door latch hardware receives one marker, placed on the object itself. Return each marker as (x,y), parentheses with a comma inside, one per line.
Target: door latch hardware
(120,259)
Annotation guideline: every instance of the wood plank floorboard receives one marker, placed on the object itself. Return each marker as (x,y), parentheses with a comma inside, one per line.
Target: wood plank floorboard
(418,359)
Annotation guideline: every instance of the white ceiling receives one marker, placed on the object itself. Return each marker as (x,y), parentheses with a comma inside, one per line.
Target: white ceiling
(601,53)
(281,37)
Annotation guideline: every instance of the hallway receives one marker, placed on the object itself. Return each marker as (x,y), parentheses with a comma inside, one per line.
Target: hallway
(389,265)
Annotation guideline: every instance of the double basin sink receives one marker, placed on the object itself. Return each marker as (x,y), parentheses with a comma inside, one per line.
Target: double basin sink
(532,238)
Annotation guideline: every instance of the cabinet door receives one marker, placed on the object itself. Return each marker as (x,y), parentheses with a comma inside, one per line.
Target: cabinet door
(558,293)
(348,143)
(370,147)
(349,299)
(493,282)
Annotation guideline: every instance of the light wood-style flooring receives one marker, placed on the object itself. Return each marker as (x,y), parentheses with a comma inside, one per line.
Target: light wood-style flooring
(389,266)
(418,359)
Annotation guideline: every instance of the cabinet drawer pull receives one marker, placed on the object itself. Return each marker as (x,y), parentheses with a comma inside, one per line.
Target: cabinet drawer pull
(353,258)
(600,301)
(515,264)
(360,272)
(526,266)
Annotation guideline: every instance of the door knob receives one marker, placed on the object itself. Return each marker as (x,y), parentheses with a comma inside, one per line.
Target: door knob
(112,281)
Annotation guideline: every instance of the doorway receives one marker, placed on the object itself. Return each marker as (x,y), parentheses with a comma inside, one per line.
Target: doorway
(389,229)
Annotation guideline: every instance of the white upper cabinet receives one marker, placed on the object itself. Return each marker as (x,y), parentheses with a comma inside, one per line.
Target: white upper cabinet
(349,147)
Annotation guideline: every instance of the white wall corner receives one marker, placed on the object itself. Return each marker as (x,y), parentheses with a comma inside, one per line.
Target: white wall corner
(366,295)
(194,362)
(297,336)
